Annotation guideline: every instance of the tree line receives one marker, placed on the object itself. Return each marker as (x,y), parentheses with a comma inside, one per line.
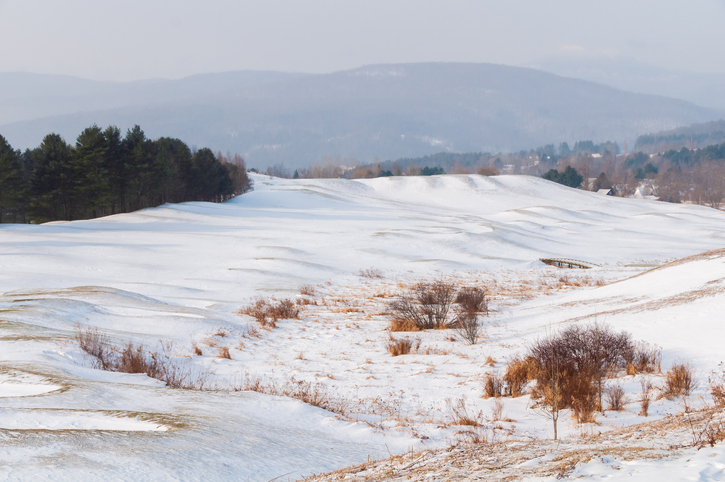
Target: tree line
(106,172)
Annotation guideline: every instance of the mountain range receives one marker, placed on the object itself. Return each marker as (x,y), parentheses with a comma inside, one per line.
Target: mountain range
(383,111)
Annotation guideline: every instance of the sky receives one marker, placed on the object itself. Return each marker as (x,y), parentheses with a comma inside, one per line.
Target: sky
(141,39)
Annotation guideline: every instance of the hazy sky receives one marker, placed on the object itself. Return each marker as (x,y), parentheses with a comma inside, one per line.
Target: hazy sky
(139,39)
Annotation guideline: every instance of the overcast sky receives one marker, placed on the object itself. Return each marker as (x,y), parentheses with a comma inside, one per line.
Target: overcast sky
(140,39)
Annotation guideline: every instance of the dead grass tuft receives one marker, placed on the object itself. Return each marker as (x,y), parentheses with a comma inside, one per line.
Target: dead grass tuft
(268,311)
(197,351)
(372,273)
(679,380)
(519,371)
(645,397)
(224,353)
(459,415)
(307,290)
(402,346)
(492,385)
(397,324)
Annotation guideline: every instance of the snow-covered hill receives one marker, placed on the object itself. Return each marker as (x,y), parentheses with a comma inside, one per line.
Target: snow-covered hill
(181,273)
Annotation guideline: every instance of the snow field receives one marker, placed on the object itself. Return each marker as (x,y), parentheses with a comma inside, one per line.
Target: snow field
(181,272)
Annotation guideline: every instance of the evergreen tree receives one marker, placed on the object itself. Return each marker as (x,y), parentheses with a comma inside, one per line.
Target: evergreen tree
(51,182)
(118,176)
(90,173)
(12,185)
(601,182)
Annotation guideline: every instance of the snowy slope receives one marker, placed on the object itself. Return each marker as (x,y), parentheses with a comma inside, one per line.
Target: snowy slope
(180,272)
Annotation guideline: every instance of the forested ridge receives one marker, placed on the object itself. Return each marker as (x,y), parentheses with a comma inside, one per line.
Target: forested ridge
(107,173)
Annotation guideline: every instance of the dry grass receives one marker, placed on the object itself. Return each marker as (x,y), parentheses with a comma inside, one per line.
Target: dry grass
(492,385)
(315,394)
(717,385)
(519,371)
(268,311)
(645,358)
(307,290)
(134,358)
(679,380)
(497,410)
(371,273)
(197,351)
(398,324)
(224,353)
(459,415)
(645,397)
(402,346)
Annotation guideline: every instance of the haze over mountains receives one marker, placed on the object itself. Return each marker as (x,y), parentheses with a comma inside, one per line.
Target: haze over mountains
(705,89)
(388,111)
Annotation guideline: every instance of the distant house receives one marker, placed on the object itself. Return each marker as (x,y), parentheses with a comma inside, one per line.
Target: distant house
(606,192)
(643,190)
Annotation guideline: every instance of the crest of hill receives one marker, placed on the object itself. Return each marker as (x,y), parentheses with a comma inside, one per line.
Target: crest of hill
(395,111)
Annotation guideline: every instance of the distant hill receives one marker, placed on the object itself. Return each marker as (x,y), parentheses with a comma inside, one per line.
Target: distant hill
(696,135)
(390,111)
(25,96)
(707,90)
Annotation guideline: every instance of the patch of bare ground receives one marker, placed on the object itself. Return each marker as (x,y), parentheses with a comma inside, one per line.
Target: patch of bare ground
(516,460)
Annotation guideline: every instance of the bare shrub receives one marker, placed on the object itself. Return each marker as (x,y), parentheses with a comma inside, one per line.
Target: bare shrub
(492,385)
(134,358)
(717,385)
(224,353)
(472,300)
(372,273)
(267,312)
(711,432)
(458,413)
(425,306)
(570,367)
(96,346)
(644,358)
(679,380)
(402,346)
(645,397)
(497,410)
(307,290)
(468,328)
(471,303)
(616,398)
(519,371)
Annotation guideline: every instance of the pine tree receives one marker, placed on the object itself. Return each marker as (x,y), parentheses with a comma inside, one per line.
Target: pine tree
(51,182)
(12,184)
(90,174)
